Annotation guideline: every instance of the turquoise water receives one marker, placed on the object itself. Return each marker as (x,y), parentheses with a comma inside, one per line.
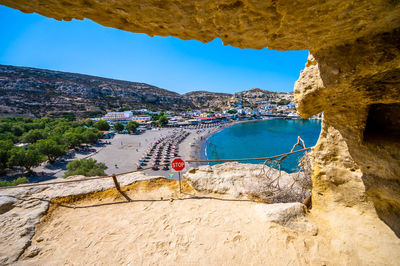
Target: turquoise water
(263,139)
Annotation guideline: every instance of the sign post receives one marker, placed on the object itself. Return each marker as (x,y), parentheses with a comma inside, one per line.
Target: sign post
(178,165)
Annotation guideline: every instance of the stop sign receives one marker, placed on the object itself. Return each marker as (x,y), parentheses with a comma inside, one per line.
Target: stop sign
(178,164)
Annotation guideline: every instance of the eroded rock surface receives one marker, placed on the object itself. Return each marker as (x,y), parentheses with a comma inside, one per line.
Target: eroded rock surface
(282,25)
(22,209)
(250,180)
(353,76)
(357,86)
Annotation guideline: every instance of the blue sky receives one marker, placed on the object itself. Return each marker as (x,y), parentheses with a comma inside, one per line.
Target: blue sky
(167,62)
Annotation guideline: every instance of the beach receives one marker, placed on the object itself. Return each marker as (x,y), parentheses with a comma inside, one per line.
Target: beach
(122,153)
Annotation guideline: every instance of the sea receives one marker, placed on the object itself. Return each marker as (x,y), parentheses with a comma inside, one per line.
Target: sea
(263,139)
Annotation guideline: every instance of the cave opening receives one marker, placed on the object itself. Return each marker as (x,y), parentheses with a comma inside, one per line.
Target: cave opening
(383,123)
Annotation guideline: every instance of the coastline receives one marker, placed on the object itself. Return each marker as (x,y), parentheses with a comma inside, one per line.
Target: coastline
(200,148)
(199,151)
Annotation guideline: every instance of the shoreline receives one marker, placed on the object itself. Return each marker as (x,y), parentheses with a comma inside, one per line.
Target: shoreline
(199,150)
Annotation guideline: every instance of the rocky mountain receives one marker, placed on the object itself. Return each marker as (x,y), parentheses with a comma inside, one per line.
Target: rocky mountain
(37,92)
(256,96)
(33,92)
(209,100)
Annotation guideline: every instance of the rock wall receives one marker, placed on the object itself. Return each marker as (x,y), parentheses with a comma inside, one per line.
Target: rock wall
(278,24)
(357,86)
(352,75)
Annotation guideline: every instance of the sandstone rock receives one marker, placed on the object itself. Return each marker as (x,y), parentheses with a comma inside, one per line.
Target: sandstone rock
(18,224)
(280,213)
(249,180)
(6,204)
(353,79)
(33,252)
(357,87)
(280,25)
(291,215)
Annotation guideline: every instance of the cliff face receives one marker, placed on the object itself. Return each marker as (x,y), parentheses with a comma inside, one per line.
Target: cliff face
(353,76)
(357,86)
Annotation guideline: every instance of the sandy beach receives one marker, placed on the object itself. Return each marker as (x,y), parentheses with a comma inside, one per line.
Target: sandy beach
(123,152)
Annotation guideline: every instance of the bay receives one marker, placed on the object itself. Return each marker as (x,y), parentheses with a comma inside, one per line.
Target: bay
(263,139)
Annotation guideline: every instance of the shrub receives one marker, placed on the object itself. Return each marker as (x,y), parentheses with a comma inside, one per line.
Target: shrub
(15,182)
(86,167)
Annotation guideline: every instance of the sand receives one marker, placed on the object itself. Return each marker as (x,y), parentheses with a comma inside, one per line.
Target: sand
(163,227)
(124,152)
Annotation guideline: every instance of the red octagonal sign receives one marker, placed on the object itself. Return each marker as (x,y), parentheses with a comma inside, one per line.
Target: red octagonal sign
(178,164)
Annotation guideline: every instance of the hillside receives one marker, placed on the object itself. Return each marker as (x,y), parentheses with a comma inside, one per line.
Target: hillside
(33,92)
(206,99)
(37,92)
(256,96)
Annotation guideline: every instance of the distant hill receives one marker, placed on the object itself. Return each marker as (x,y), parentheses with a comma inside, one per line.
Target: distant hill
(208,100)
(256,96)
(33,92)
(37,92)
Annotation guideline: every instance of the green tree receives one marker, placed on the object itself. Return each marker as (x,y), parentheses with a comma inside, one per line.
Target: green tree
(50,148)
(91,136)
(28,159)
(232,111)
(86,167)
(102,125)
(73,139)
(17,130)
(8,136)
(88,122)
(132,126)
(163,121)
(5,148)
(32,136)
(118,126)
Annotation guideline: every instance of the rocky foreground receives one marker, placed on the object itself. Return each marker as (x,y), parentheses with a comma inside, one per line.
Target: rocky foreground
(22,209)
(220,217)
